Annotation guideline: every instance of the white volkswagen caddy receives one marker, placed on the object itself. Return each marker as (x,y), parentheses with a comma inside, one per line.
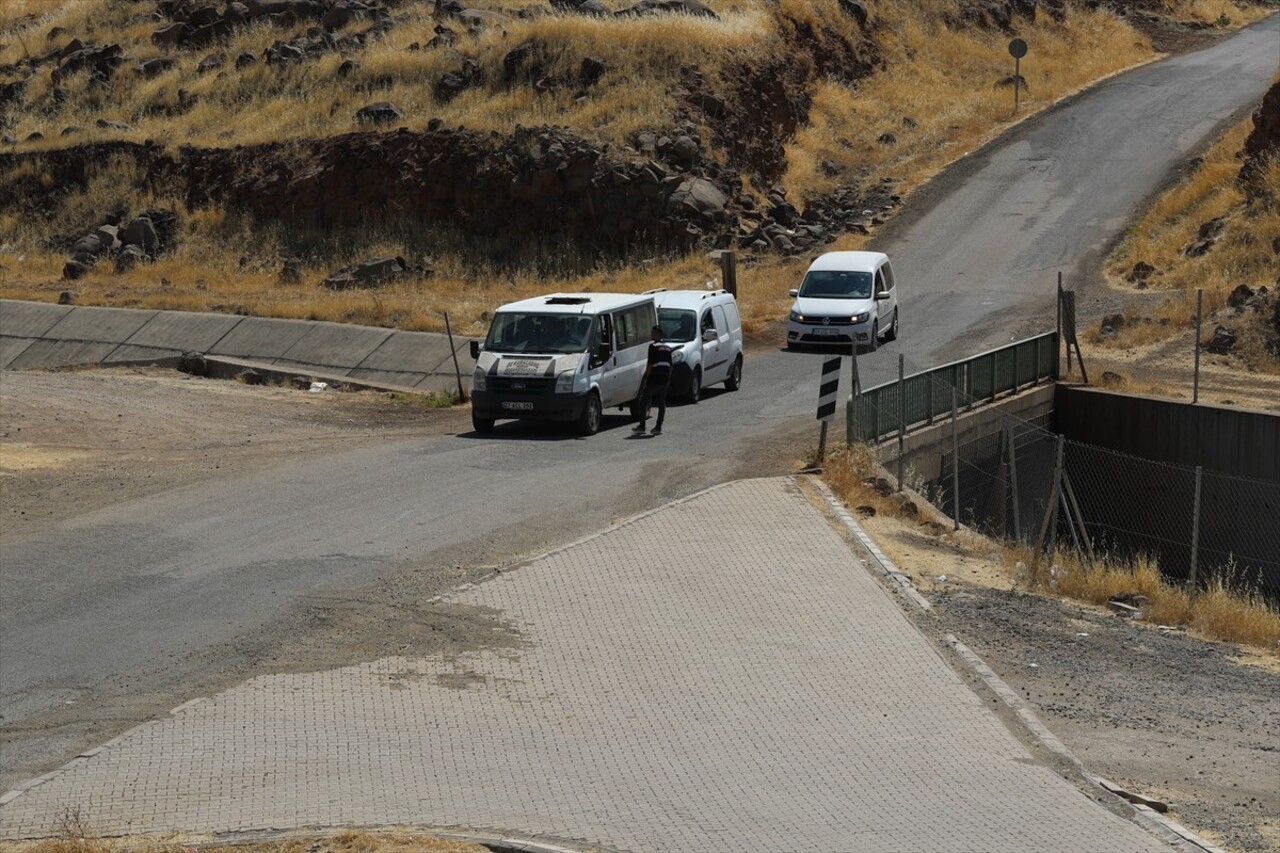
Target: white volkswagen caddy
(846,298)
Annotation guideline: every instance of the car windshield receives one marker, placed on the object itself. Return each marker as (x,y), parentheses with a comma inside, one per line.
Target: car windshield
(538,333)
(678,326)
(836,284)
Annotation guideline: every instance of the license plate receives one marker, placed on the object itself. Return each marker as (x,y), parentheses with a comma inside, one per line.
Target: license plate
(518,406)
(826,331)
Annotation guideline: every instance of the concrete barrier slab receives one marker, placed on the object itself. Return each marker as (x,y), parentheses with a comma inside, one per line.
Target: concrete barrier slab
(413,352)
(185,332)
(128,352)
(50,354)
(442,383)
(104,325)
(11,348)
(260,338)
(29,319)
(334,345)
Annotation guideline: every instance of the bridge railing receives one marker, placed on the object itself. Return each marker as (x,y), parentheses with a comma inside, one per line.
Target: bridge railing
(902,405)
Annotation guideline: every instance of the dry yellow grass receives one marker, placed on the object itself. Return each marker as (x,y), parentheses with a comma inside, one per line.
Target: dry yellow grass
(1221,611)
(941,100)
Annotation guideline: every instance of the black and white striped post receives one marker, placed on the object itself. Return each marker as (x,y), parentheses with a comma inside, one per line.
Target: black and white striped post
(828,391)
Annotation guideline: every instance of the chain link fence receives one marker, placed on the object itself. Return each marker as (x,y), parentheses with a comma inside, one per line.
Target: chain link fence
(1021,482)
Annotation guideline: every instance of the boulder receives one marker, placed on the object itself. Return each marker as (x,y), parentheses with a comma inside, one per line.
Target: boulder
(203,17)
(109,235)
(74,269)
(141,232)
(1263,143)
(171,36)
(342,13)
(245,59)
(212,62)
(128,257)
(698,197)
(1112,323)
(1240,296)
(155,67)
(89,245)
(370,273)
(592,69)
(382,112)
(1140,273)
(855,9)
(670,7)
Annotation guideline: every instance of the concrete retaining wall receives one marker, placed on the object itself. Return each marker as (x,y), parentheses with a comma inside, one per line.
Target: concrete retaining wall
(37,335)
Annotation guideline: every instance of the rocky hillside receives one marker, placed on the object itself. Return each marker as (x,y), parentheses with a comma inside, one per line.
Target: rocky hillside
(547,134)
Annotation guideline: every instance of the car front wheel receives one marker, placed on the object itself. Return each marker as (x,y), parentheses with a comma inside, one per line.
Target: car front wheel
(589,422)
(695,386)
(892,334)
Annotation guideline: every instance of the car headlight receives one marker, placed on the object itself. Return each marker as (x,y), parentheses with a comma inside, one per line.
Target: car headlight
(564,382)
(862,318)
(677,357)
(797,316)
(478,380)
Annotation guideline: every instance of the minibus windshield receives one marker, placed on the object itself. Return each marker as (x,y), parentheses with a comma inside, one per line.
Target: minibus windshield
(539,333)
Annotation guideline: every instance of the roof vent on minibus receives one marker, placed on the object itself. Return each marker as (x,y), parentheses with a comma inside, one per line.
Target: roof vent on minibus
(568,300)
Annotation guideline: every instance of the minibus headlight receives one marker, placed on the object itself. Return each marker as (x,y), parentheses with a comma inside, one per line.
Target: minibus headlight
(478,380)
(564,382)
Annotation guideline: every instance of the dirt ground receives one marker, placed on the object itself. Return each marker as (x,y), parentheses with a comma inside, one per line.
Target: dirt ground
(1167,715)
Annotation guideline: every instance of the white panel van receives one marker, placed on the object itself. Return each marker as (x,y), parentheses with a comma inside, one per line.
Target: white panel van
(562,357)
(846,298)
(705,332)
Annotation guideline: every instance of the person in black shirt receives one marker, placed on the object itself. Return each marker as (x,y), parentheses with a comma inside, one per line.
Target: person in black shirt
(657,377)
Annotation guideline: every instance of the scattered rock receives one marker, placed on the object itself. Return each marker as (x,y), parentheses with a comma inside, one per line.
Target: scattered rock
(1224,340)
(65,298)
(383,112)
(155,67)
(1140,273)
(291,271)
(107,124)
(887,139)
(74,269)
(129,257)
(141,232)
(1112,323)
(212,62)
(370,273)
(865,511)
(1240,296)
(1109,379)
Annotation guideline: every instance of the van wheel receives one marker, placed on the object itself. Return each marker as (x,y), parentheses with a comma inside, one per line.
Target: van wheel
(734,382)
(875,336)
(695,386)
(589,422)
(892,334)
(480,424)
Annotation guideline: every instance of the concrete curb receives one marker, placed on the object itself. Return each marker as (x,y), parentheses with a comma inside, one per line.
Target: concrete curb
(496,840)
(1158,825)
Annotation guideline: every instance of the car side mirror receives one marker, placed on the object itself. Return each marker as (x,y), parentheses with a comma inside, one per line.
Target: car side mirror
(793,293)
(882,295)
(709,336)
(475,350)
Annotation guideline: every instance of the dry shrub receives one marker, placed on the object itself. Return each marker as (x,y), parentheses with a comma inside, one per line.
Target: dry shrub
(1226,610)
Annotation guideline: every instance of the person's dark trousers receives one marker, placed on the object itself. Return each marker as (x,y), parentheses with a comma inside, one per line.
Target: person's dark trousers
(653,394)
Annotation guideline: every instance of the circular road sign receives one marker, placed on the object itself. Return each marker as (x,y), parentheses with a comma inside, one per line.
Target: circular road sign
(1017,48)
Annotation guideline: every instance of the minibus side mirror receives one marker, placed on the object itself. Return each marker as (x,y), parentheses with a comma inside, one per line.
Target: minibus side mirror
(475,349)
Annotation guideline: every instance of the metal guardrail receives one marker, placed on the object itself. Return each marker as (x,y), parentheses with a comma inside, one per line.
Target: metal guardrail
(901,405)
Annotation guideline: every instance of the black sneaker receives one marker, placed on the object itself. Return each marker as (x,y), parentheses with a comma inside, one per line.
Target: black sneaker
(656,431)
(638,428)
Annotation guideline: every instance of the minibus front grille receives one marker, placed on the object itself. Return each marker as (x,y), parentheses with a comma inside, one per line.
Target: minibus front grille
(521,384)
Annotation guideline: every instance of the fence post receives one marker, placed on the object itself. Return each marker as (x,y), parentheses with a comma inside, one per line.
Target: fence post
(1013,481)
(462,395)
(902,415)
(955,461)
(1195,534)
(729,272)
(1195,390)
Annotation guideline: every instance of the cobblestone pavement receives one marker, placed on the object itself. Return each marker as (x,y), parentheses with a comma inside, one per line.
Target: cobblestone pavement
(718,675)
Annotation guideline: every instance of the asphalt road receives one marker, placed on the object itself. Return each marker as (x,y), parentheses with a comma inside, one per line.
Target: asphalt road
(112,597)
